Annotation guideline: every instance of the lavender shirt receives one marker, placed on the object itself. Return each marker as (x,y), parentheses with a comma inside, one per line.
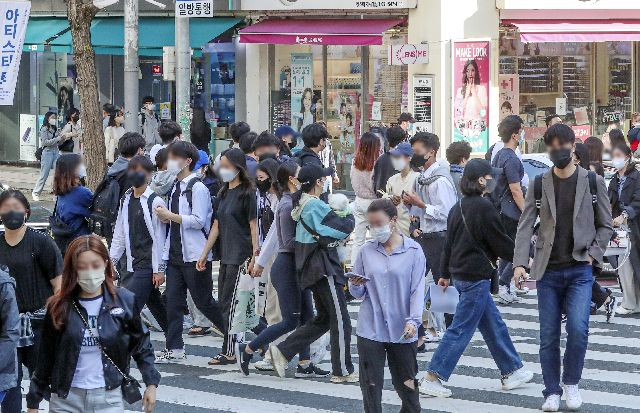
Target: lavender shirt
(395,294)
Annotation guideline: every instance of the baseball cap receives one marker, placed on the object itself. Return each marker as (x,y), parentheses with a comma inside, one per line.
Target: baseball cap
(406,117)
(312,173)
(403,149)
(286,130)
(477,168)
(202,160)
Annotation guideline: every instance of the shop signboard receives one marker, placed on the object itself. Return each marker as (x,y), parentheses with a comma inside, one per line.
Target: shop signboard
(302,108)
(408,54)
(610,114)
(194,8)
(471,74)
(328,4)
(509,95)
(14,18)
(422,103)
(165,110)
(28,143)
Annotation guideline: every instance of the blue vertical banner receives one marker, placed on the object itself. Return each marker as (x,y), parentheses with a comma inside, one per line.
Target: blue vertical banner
(302,108)
(14,16)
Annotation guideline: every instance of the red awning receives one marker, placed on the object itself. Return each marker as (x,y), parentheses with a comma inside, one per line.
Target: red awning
(541,31)
(318,31)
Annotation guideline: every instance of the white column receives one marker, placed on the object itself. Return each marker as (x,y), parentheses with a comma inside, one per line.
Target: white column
(131,65)
(183,75)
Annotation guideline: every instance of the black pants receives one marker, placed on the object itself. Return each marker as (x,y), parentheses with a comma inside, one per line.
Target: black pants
(432,245)
(403,366)
(141,284)
(505,268)
(228,278)
(28,357)
(200,285)
(331,315)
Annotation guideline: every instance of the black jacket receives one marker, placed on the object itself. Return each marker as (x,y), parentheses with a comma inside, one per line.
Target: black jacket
(382,171)
(306,156)
(122,336)
(629,200)
(467,253)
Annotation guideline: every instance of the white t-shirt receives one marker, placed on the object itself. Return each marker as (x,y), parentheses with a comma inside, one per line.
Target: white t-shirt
(89,373)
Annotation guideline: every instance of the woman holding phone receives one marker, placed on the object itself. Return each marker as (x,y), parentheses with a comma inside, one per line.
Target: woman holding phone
(388,275)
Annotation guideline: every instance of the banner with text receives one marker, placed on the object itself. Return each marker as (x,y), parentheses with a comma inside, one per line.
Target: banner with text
(471,73)
(15,15)
(302,108)
(509,95)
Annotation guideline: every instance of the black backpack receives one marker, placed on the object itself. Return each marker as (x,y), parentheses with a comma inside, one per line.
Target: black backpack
(593,188)
(106,203)
(188,193)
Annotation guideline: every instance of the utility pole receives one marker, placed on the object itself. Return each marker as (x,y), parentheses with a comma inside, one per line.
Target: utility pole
(131,65)
(183,75)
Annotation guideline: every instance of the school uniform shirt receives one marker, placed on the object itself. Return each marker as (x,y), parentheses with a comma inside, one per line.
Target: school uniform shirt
(196,221)
(395,186)
(89,373)
(135,227)
(394,295)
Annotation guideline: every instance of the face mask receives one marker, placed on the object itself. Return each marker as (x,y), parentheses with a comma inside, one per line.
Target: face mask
(82,171)
(398,163)
(521,139)
(561,158)
(293,143)
(119,119)
(13,219)
(490,185)
(137,178)
(91,280)
(263,186)
(151,106)
(619,163)
(325,186)
(381,234)
(173,165)
(53,122)
(410,127)
(418,161)
(227,175)
(297,184)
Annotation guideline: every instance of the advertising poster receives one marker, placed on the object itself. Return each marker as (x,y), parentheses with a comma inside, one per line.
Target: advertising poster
(302,108)
(14,18)
(509,95)
(471,73)
(422,99)
(28,143)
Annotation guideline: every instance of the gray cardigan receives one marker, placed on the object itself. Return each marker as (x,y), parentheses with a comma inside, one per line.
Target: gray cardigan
(49,139)
(9,332)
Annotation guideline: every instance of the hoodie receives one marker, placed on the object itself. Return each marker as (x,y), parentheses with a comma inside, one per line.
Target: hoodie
(119,171)
(162,182)
(634,138)
(315,251)
(9,332)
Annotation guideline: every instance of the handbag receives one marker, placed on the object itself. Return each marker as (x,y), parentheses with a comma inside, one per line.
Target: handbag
(495,278)
(59,228)
(66,146)
(38,153)
(130,386)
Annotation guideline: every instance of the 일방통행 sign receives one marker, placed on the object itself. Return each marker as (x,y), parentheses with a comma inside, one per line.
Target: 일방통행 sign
(194,8)
(15,15)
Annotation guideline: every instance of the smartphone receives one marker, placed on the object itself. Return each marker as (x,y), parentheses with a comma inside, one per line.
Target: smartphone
(354,275)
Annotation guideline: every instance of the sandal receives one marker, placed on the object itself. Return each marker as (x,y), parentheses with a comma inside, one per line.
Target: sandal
(197,331)
(221,360)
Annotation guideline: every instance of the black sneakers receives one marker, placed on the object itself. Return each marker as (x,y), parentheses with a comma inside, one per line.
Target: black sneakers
(243,358)
(311,371)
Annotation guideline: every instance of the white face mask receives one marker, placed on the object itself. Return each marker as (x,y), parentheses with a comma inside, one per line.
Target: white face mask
(381,234)
(173,165)
(227,175)
(619,163)
(52,121)
(325,186)
(82,171)
(151,107)
(398,163)
(91,280)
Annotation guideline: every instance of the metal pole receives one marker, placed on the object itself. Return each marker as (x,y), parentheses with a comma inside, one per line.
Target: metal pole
(183,74)
(131,65)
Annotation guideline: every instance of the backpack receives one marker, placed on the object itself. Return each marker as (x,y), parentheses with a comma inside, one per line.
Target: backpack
(265,216)
(105,206)
(143,118)
(188,193)
(593,188)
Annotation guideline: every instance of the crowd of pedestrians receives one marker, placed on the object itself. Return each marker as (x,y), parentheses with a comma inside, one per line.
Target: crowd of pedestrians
(266,211)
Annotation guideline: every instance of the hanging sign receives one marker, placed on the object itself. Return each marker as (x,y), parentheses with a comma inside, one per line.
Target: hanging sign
(327,4)
(408,54)
(194,8)
(422,103)
(28,144)
(509,95)
(14,17)
(471,73)
(302,107)
(165,110)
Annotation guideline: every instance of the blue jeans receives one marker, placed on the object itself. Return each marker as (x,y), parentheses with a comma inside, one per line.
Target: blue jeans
(570,286)
(296,306)
(476,310)
(47,163)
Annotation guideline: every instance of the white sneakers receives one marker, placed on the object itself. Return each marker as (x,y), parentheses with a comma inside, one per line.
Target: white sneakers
(574,399)
(433,388)
(551,403)
(264,364)
(620,310)
(516,379)
(279,361)
(170,356)
(504,296)
(35,197)
(350,378)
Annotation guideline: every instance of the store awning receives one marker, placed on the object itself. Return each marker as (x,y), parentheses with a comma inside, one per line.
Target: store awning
(107,34)
(39,30)
(542,31)
(354,32)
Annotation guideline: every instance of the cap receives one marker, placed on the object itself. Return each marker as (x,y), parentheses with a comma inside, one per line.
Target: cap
(406,117)
(403,149)
(477,168)
(311,173)
(286,130)
(202,160)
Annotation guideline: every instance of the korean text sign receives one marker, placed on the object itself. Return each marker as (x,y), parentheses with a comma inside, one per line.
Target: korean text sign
(302,108)
(194,8)
(15,15)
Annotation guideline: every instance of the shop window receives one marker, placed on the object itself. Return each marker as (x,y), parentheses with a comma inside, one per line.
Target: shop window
(613,86)
(223,88)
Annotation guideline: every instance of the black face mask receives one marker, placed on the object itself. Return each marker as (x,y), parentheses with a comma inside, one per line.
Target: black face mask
(561,158)
(137,178)
(263,186)
(418,161)
(293,143)
(13,219)
(491,185)
(267,155)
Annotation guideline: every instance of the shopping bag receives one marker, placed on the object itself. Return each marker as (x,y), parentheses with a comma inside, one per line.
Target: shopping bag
(244,306)
(318,349)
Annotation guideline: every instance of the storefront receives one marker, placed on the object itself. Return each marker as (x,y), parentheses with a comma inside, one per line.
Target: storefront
(332,69)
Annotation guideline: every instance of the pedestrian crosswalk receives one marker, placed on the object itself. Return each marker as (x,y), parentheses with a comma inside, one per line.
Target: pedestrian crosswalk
(610,381)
